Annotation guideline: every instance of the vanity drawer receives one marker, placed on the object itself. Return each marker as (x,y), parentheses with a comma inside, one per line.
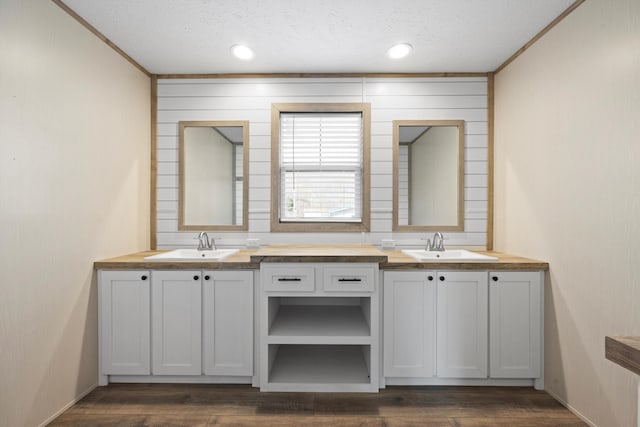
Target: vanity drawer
(289,278)
(349,279)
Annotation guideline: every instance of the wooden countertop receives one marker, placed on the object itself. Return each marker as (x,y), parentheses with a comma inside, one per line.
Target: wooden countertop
(625,351)
(251,258)
(398,260)
(319,253)
(241,260)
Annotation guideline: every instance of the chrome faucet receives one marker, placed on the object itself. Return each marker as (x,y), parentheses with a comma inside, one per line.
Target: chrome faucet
(204,244)
(437,244)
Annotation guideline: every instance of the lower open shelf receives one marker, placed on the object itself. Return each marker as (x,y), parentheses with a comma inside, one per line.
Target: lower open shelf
(319,368)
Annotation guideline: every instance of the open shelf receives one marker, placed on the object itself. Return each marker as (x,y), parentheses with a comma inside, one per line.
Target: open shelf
(324,339)
(320,322)
(319,364)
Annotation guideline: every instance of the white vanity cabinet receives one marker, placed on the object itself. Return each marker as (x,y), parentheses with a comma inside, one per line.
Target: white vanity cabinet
(462,319)
(435,324)
(203,323)
(124,316)
(319,327)
(176,325)
(515,324)
(409,324)
(228,323)
(463,327)
(322,323)
(176,298)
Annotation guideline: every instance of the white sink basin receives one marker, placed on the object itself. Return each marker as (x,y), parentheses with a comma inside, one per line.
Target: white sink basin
(192,255)
(453,255)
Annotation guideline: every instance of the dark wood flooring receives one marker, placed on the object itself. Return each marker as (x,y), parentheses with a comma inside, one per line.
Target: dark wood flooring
(241,405)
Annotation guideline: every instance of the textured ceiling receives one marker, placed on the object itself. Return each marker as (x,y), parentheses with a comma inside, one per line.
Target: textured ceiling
(318,36)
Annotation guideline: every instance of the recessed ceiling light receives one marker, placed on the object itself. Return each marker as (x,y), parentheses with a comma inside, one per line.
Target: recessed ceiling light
(399,50)
(241,51)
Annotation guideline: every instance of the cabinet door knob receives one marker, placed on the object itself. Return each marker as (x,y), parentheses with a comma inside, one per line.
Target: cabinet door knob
(207,277)
(144,277)
(196,277)
(442,278)
(494,278)
(430,278)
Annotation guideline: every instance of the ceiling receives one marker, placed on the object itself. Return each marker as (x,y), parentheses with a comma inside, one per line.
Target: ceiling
(318,36)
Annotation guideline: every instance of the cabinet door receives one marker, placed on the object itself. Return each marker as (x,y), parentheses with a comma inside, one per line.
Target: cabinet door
(409,321)
(228,322)
(177,322)
(515,324)
(124,322)
(462,328)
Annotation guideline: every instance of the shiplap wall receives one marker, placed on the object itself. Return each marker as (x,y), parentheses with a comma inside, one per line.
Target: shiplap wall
(390,98)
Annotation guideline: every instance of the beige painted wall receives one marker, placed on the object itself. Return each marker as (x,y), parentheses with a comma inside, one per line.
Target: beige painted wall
(74,188)
(567,190)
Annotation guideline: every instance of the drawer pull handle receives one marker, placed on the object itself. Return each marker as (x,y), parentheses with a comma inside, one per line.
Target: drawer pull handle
(354,279)
(289,279)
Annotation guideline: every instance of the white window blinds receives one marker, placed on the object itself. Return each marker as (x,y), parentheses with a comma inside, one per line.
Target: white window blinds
(321,159)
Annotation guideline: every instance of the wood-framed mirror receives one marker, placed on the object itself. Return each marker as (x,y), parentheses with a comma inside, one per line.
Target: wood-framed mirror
(213,175)
(428,175)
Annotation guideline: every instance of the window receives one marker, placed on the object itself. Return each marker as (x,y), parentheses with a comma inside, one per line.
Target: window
(320,167)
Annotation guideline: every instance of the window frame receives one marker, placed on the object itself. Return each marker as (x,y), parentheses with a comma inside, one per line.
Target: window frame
(320,226)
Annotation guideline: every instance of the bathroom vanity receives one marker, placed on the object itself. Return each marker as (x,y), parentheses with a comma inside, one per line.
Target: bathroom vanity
(321,318)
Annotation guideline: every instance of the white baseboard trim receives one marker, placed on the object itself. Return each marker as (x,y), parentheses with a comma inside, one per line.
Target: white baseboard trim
(68,405)
(572,409)
(180,379)
(478,382)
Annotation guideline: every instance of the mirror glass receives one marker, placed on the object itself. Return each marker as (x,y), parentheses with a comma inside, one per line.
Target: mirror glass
(428,173)
(213,175)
